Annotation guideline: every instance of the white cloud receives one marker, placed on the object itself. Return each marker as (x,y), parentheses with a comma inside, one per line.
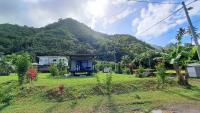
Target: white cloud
(30,1)
(152,15)
(155,13)
(107,12)
(196,8)
(124,13)
(98,14)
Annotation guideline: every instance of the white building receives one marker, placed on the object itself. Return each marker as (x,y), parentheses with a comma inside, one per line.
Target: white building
(47,60)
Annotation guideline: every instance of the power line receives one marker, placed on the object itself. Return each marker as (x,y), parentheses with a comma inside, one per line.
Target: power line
(166,18)
(161,21)
(153,2)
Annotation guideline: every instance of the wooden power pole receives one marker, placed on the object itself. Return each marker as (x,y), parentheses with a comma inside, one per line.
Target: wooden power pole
(194,35)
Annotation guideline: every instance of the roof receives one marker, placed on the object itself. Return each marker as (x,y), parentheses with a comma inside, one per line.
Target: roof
(78,55)
(194,64)
(51,56)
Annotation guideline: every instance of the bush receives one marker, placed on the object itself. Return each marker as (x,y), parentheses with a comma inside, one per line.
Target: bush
(22,64)
(54,70)
(5,67)
(141,71)
(6,94)
(161,73)
(6,98)
(118,68)
(127,71)
(100,65)
(31,74)
(108,83)
(62,68)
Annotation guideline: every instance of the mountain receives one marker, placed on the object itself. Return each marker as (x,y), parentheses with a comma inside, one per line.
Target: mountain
(156,46)
(68,36)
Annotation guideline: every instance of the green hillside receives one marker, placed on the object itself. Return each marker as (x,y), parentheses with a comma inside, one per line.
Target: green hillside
(67,36)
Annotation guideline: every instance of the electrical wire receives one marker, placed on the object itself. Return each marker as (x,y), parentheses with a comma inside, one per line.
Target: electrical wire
(153,2)
(165,18)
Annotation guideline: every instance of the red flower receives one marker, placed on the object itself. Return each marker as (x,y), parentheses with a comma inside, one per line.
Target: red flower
(32,73)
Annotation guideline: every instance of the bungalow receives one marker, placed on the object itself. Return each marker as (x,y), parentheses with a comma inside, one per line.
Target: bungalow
(45,61)
(81,63)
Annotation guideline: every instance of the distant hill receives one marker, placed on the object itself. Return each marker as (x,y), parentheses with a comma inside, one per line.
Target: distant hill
(156,46)
(68,36)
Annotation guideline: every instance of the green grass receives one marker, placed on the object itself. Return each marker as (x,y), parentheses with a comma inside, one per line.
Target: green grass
(145,97)
(174,72)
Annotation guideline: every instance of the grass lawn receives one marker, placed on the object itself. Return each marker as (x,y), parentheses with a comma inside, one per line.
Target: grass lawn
(174,72)
(129,94)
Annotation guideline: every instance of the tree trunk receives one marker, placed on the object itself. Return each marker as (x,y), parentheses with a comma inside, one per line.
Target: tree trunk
(182,79)
(186,77)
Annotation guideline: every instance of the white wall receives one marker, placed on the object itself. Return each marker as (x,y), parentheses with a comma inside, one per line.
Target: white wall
(47,60)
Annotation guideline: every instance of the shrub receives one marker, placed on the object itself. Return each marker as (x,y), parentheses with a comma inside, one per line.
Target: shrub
(54,70)
(62,68)
(141,71)
(31,73)
(127,71)
(100,65)
(118,68)
(6,98)
(22,64)
(5,67)
(6,94)
(108,83)
(161,73)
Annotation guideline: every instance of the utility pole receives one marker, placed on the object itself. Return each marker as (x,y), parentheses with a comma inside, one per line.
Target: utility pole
(192,29)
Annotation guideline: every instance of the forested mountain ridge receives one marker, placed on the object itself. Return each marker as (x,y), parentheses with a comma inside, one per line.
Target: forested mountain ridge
(68,36)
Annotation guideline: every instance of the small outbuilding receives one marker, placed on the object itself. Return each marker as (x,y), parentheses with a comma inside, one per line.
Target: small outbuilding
(193,70)
(81,63)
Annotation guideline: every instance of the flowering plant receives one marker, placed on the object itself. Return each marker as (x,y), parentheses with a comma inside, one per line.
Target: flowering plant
(32,73)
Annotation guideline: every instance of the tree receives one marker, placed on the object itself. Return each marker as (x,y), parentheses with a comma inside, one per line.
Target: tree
(5,67)
(22,64)
(62,68)
(126,62)
(179,57)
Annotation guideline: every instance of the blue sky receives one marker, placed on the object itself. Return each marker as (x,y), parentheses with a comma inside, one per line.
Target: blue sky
(107,16)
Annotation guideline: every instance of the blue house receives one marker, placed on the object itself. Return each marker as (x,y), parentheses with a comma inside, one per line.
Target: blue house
(81,63)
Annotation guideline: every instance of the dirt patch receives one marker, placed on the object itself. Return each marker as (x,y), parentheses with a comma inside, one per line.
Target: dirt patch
(180,108)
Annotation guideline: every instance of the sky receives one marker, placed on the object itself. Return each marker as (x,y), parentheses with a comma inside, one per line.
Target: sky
(107,16)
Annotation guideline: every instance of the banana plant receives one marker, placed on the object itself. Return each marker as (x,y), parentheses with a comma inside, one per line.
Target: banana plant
(180,57)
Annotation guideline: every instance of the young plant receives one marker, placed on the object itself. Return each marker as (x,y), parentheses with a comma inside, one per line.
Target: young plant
(161,74)
(22,64)
(54,70)
(32,73)
(108,83)
(127,71)
(62,68)
(141,71)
